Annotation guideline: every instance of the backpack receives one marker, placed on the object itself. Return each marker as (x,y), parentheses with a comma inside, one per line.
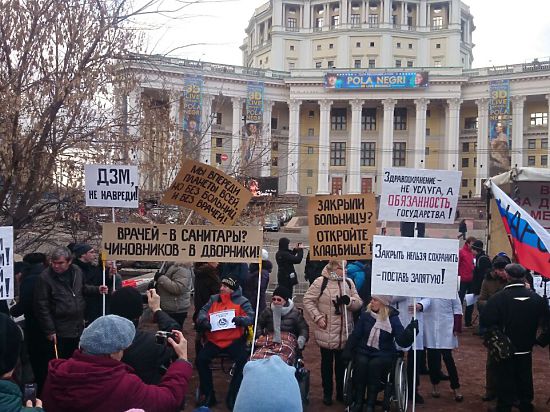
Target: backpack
(325,282)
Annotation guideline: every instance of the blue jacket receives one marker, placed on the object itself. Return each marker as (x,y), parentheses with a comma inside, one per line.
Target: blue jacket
(356,272)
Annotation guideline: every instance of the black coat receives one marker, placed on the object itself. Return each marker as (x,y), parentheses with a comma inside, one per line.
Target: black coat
(481,270)
(25,306)
(207,283)
(285,261)
(313,268)
(292,322)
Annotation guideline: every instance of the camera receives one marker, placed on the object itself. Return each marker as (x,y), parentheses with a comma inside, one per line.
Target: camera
(144,298)
(161,337)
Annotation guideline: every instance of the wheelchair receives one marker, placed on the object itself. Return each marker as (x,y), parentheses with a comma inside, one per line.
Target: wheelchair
(303,377)
(395,388)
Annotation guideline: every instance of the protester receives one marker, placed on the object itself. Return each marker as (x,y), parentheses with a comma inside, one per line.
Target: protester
(235,270)
(281,328)
(11,339)
(328,301)
(269,385)
(207,283)
(313,268)
(228,340)
(466,273)
(482,266)
(462,228)
(286,259)
(250,290)
(174,288)
(372,342)
(148,359)
(59,302)
(442,322)
(94,378)
(517,312)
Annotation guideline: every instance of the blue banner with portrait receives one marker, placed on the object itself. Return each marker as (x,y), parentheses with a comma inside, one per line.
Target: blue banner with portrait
(254,112)
(192,112)
(499,126)
(393,80)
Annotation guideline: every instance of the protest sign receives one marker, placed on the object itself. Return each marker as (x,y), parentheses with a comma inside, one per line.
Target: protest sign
(6,263)
(406,266)
(534,198)
(341,227)
(419,195)
(182,243)
(209,192)
(112,186)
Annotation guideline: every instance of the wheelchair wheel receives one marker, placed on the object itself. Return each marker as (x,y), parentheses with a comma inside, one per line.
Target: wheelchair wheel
(400,386)
(348,385)
(303,383)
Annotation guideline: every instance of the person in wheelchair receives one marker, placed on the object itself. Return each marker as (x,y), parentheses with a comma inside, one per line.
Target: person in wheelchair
(223,320)
(281,329)
(373,342)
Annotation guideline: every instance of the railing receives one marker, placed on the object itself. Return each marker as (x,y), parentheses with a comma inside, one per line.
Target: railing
(289,28)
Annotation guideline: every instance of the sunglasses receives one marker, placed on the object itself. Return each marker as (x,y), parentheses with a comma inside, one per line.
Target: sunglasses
(277,299)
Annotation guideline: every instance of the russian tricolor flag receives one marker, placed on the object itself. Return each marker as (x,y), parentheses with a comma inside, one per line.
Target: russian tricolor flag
(530,241)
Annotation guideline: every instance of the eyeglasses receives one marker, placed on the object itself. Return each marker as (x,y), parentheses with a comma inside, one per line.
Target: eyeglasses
(277,299)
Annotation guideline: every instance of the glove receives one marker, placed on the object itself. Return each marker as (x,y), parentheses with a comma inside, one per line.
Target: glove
(457,325)
(238,321)
(343,300)
(205,326)
(301,342)
(414,326)
(157,276)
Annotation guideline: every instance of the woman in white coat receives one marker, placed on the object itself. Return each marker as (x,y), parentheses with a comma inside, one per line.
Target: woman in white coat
(442,322)
(405,307)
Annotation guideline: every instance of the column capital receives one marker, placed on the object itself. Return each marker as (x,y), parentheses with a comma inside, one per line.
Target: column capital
(518,101)
(294,104)
(237,100)
(268,104)
(482,104)
(548,97)
(389,104)
(325,104)
(454,103)
(422,103)
(356,104)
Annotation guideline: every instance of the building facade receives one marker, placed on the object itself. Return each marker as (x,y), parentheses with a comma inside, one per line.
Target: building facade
(322,140)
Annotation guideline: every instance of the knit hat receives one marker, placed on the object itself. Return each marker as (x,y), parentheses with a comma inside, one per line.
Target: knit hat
(81,249)
(385,299)
(265,254)
(106,335)
(515,270)
(11,338)
(477,245)
(500,262)
(231,282)
(127,302)
(282,292)
(270,383)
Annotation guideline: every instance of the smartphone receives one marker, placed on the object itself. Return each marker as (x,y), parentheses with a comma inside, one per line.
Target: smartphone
(29,393)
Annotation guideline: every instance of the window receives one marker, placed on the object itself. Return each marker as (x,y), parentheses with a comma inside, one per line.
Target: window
(399,154)
(357,64)
(319,22)
(291,48)
(410,63)
(338,119)
(355,19)
(544,144)
(373,19)
(470,123)
(410,45)
(311,114)
(331,46)
(218,158)
(310,150)
(394,20)
(330,64)
(464,182)
(428,131)
(311,131)
(274,146)
(544,160)
(291,23)
(437,63)
(274,122)
(437,22)
(368,153)
(465,147)
(398,45)
(438,46)
(530,160)
(218,118)
(372,63)
(358,44)
(400,119)
(398,63)
(371,44)
(274,161)
(428,113)
(260,62)
(531,144)
(318,47)
(338,154)
(539,119)
(427,151)
(335,21)
(309,190)
(317,65)
(309,172)
(465,162)
(368,119)
(475,163)
(219,142)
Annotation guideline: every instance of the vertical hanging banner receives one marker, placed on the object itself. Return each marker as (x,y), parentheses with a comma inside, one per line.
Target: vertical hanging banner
(112,186)
(252,144)
(6,263)
(499,127)
(192,112)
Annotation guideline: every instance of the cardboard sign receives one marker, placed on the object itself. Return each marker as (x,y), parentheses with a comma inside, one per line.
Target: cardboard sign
(419,195)
(407,266)
(182,243)
(209,192)
(341,227)
(6,263)
(112,186)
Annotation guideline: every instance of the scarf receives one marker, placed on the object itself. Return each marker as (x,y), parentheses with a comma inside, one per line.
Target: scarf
(374,337)
(278,313)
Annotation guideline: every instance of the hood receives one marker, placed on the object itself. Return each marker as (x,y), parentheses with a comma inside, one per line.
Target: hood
(283,243)
(10,396)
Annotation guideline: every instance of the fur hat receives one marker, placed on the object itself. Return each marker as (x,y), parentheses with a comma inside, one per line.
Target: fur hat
(107,334)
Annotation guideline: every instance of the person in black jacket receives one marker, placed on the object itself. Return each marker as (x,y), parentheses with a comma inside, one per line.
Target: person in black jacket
(286,259)
(313,268)
(250,291)
(518,312)
(482,266)
(148,358)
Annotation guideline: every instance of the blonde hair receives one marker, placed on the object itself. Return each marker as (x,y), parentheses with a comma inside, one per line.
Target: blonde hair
(383,313)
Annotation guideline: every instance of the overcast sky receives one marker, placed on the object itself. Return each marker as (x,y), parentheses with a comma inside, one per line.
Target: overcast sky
(507,31)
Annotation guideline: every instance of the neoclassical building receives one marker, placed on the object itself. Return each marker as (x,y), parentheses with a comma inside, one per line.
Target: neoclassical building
(319,139)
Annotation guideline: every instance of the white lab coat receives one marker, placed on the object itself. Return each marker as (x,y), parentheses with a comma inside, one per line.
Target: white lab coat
(439,322)
(402,303)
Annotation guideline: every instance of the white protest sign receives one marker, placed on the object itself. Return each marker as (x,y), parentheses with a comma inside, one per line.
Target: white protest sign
(407,266)
(419,195)
(112,186)
(6,263)
(222,320)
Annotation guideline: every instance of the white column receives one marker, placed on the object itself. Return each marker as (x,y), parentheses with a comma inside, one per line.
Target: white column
(206,130)
(292,177)
(386,146)
(324,147)
(266,133)
(422,10)
(133,120)
(236,132)
(453,135)
(307,14)
(387,12)
(482,171)
(326,17)
(344,13)
(366,5)
(354,165)
(548,135)
(419,152)
(518,103)
(403,14)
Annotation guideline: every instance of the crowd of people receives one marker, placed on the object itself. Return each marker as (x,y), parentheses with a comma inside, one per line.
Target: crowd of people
(83,344)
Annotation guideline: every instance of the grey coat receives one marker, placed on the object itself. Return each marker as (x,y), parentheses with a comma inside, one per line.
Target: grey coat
(174,289)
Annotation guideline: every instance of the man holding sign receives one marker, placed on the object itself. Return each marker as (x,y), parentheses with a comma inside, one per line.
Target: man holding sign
(223,320)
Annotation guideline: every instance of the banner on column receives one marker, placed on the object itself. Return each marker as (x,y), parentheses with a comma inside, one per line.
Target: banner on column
(499,127)
(412,267)
(192,112)
(111,186)
(252,142)
(6,263)
(419,195)
(341,227)
(209,192)
(182,243)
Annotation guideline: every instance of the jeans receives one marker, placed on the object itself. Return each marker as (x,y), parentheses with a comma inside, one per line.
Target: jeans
(434,365)
(330,358)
